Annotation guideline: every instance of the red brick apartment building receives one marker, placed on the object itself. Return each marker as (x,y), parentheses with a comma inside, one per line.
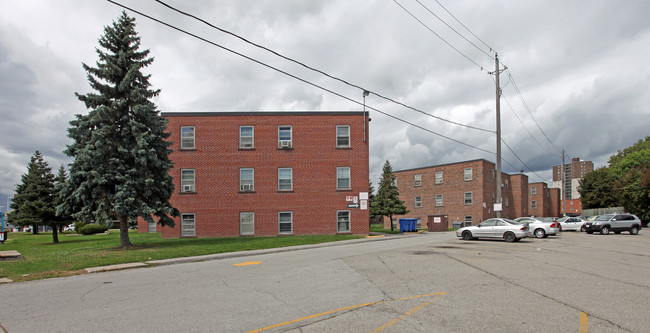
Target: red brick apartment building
(544,201)
(268,174)
(459,192)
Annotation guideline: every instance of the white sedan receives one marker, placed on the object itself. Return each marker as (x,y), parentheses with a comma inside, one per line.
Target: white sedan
(572,223)
(495,228)
(540,228)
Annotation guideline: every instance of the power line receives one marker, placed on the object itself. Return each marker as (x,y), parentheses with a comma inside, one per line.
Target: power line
(454,30)
(433,32)
(522,162)
(315,69)
(466,28)
(522,124)
(293,76)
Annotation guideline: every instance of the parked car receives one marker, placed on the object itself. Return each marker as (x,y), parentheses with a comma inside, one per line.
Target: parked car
(539,228)
(495,228)
(614,222)
(571,223)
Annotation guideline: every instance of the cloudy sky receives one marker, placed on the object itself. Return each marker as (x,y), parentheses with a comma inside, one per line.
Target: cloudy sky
(577,73)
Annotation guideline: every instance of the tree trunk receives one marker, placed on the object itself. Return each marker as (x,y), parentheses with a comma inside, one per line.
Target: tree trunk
(55,234)
(390,219)
(34,229)
(124,232)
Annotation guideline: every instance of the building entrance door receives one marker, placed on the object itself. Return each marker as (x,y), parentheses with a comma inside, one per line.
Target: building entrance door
(437,223)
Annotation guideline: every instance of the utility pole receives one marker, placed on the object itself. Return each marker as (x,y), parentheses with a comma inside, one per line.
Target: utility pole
(563,187)
(499,204)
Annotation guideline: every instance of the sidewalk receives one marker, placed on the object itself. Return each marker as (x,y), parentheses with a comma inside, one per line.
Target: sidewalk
(228,255)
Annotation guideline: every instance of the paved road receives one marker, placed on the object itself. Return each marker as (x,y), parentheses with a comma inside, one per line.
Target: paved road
(422,283)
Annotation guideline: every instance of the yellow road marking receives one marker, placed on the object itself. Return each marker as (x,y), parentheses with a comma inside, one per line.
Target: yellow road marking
(248,263)
(584,322)
(396,320)
(343,309)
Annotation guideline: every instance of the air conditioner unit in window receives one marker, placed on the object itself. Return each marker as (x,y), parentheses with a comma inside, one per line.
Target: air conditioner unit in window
(246,187)
(188,188)
(285,144)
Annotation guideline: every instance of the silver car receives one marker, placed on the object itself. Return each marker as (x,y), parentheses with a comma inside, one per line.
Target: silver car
(540,228)
(495,228)
(572,223)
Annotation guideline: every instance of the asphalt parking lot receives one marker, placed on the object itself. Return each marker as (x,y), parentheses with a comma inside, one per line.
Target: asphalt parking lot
(431,282)
(573,282)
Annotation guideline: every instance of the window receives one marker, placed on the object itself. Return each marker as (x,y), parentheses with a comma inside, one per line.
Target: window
(418,201)
(188,228)
(417,181)
(438,177)
(187,180)
(246,223)
(246,180)
(152,226)
(246,135)
(285,222)
(343,221)
(438,200)
(468,220)
(533,204)
(468,198)
(343,178)
(533,190)
(468,174)
(187,137)
(343,136)
(285,179)
(284,137)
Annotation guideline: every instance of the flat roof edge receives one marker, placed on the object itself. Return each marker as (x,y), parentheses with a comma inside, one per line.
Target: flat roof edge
(262,113)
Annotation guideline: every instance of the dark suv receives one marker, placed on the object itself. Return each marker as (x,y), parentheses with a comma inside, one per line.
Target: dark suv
(614,222)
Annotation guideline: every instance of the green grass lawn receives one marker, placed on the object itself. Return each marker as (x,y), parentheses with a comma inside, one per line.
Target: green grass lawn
(44,259)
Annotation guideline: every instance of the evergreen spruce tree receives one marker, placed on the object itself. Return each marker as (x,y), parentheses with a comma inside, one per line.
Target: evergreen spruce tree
(387,202)
(33,204)
(60,220)
(121,158)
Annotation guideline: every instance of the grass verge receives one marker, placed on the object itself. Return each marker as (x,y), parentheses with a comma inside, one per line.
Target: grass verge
(44,259)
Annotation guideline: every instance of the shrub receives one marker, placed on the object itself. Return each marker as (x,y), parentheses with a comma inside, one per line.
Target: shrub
(92,229)
(78,225)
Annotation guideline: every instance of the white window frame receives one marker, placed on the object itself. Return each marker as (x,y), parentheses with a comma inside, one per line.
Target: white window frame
(281,178)
(283,141)
(343,222)
(247,223)
(188,184)
(242,143)
(533,190)
(340,137)
(188,141)
(439,200)
(418,201)
(152,227)
(467,174)
(417,180)
(471,198)
(439,175)
(246,185)
(533,204)
(468,218)
(282,220)
(188,220)
(341,176)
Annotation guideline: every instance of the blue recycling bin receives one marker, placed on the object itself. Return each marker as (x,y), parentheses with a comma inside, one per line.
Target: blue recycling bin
(408,225)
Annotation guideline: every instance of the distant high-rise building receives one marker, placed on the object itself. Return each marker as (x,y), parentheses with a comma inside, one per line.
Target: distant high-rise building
(573,173)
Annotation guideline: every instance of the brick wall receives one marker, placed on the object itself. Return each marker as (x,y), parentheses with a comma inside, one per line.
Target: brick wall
(314,201)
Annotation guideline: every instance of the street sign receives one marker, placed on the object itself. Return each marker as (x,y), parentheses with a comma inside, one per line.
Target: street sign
(353,205)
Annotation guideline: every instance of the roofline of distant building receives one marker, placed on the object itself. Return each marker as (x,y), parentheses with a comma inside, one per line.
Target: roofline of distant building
(446,164)
(263,113)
